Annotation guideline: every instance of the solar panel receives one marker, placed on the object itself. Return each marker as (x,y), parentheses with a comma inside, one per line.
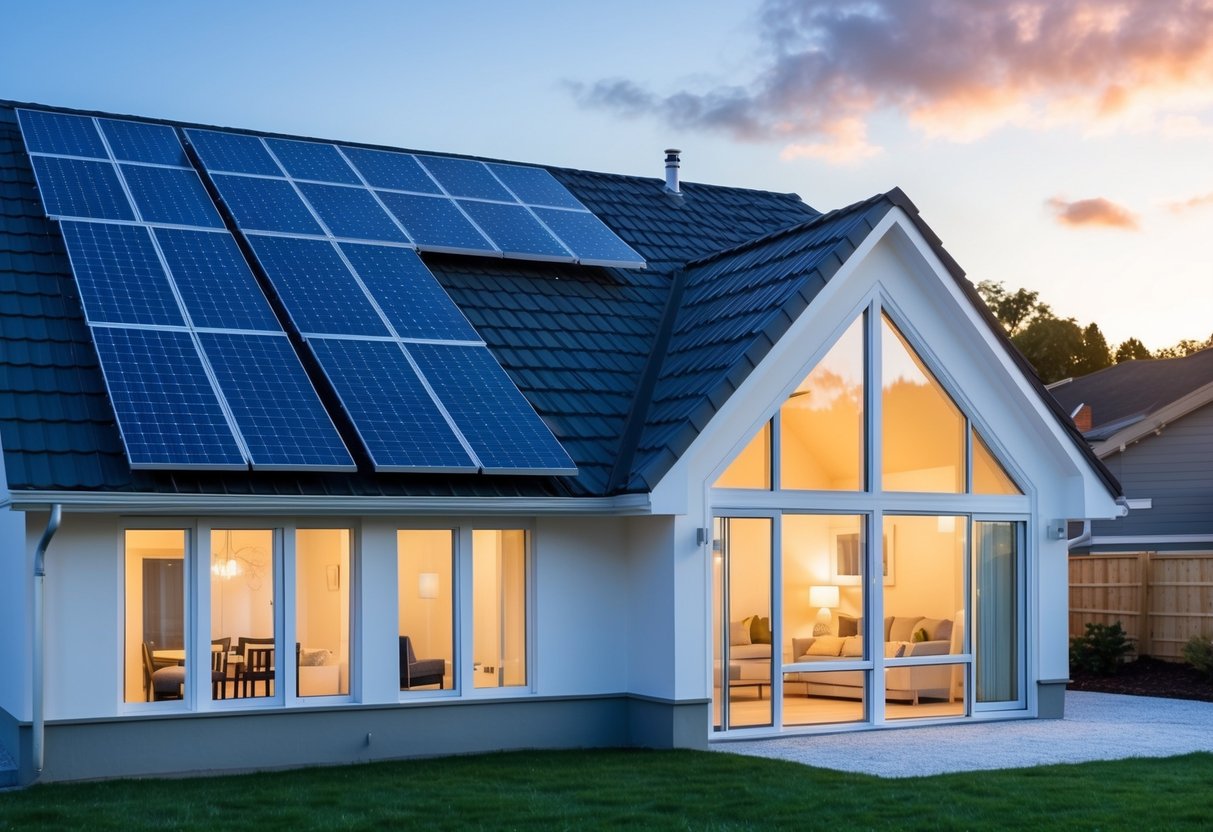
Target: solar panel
(352,213)
(265,205)
(316,287)
(214,281)
(79,188)
(436,223)
(488,409)
(283,423)
(515,231)
(414,302)
(232,152)
(588,238)
(535,186)
(134,141)
(166,408)
(171,196)
(465,177)
(312,160)
(399,424)
(397,171)
(61,134)
(119,275)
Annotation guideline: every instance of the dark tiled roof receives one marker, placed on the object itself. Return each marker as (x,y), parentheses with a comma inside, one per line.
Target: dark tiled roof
(575,339)
(1135,388)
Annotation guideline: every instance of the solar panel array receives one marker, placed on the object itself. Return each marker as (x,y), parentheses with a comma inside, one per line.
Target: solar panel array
(200,373)
(433,203)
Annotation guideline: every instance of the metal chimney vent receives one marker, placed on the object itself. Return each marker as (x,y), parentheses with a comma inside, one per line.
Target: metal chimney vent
(673,160)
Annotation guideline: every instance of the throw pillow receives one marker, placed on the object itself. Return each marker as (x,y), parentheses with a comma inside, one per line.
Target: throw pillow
(894,649)
(848,626)
(760,630)
(920,635)
(932,625)
(903,628)
(852,646)
(739,633)
(825,646)
(314,658)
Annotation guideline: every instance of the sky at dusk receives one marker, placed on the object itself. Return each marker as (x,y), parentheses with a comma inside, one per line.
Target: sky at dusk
(1061,145)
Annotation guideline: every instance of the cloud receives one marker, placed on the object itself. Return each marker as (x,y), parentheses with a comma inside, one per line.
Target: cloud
(956,69)
(1092,212)
(1184,205)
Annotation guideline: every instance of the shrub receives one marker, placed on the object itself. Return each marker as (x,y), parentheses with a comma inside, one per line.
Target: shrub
(1198,652)
(1100,650)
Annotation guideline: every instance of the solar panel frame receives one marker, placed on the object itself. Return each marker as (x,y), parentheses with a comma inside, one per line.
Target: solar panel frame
(515,231)
(352,213)
(273,403)
(62,184)
(224,152)
(589,238)
(389,170)
(464,178)
(436,223)
(263,204)
(167,393)
(170,196)
(534,186)
(214,281)
(314,161)
(138,141)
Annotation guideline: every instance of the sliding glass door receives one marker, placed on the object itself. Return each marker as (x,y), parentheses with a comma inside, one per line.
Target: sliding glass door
(998,614)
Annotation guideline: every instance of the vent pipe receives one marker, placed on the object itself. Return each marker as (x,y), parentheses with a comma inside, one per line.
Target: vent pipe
(673,160)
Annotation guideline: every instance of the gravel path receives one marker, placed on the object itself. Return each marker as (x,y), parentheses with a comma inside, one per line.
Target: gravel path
(1097,726)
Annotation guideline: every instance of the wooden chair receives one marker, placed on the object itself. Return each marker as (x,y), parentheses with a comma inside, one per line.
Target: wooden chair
(415,672)
(219,666)
(243,645)
(258,667)
(163,683)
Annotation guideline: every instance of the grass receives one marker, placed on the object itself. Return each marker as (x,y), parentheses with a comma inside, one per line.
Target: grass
(630,790)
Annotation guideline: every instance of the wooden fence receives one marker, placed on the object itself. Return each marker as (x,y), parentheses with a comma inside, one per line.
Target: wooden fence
(1161,600)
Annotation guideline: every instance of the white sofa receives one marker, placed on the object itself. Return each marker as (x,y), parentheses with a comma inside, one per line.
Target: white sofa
(936,637)
(749,662)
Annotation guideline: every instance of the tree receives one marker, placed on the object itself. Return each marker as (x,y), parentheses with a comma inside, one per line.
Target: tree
(1052,345)
(1013,310)
(1132,350)
(1185,347)
(1095,354)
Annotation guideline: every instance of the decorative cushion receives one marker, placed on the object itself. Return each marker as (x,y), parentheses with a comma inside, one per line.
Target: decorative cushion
(894,649)
(903,628)
(852,646)
(760,630)
(942,631)
(919,635)
(314,658)
(849,625)
(739,632)
(826,646)
(888,625)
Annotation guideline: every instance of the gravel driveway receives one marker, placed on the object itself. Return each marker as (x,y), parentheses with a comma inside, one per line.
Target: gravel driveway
(1097,726)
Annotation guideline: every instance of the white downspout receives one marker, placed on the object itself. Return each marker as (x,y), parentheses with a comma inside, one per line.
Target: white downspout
(39,739)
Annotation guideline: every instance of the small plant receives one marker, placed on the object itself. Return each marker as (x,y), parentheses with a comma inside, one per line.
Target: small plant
(1100,650)
(1198,652)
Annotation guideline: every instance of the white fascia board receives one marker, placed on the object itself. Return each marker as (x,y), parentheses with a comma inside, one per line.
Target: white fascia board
(1149,539)
(143,503)
(836,305)
(1155,422)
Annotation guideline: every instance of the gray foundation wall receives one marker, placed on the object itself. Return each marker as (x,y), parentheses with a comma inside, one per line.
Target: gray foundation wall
(213,743)
(1051,698)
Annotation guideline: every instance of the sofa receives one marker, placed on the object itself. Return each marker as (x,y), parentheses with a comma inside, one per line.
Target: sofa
(904,637)
(750,652)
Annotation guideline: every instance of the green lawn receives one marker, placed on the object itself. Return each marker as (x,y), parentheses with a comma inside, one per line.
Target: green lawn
(631,789)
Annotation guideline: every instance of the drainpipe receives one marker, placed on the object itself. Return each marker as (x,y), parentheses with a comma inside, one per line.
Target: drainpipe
(1083,539)
(39,743)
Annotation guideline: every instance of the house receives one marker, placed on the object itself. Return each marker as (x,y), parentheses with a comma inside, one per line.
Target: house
(1151,424)
(317,452)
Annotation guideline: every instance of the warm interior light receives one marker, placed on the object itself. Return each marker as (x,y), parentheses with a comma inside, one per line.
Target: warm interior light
(825,598)
(427,585)
(225,569)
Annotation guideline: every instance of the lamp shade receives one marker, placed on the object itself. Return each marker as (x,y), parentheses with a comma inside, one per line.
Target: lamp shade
(427,585)
(823,596)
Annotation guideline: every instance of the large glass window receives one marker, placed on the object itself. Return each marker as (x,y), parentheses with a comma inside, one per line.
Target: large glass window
(752,467)
(821,423)
(427,611)
(155,645)
(997,615)
(923,432)
(499,608)
(322,611)
(742,684)
(989,477)
(243,623)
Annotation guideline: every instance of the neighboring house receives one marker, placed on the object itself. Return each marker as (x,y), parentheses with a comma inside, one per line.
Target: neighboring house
(304,517)
(1151,423)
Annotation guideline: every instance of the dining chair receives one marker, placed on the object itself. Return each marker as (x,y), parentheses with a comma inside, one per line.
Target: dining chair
(160,684)
(258,667)
(219,666)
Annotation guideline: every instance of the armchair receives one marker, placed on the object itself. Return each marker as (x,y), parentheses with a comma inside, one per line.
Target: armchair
(415,672)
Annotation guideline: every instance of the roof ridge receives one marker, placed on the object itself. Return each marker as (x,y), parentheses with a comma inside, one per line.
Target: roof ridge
(791,229)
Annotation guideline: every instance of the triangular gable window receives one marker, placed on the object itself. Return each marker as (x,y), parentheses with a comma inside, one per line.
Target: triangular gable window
(989,477)
(752,467)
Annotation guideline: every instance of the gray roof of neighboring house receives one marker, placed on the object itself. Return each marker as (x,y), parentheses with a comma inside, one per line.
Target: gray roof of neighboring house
(1127,392)
(626,367)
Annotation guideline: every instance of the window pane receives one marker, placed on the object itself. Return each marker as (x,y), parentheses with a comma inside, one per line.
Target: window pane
(498,608)
(923,430)
(427,613)
(752,467)
(155,649)
(821,424)
(322,611)
(242,612)
(989,477)
(824,697)
(924,596)
(996,639)
(746,550)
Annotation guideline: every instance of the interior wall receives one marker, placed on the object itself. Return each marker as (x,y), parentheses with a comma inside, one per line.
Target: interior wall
(929,555)
(428,622)
(141,545)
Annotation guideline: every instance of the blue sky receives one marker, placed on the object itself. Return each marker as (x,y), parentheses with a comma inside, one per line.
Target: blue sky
(1058,145)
